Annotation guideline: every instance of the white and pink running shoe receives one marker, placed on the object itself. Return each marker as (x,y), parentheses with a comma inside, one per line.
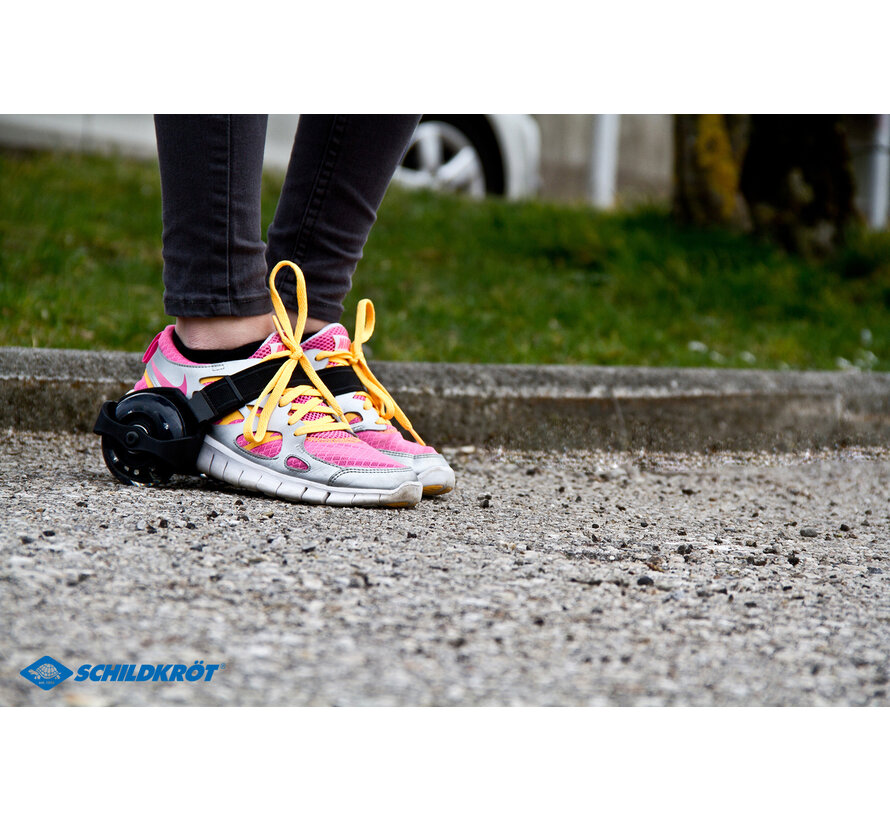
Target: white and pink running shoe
(367,405)
(291,442)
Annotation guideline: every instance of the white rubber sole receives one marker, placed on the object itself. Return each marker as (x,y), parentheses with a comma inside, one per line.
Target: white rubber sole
(437,480)
(225,465)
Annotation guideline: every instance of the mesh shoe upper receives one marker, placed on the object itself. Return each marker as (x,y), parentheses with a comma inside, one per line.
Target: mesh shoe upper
(369,411)
(359,408)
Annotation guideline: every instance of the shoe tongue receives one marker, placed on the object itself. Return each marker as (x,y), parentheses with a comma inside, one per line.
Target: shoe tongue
(273,344)
(330,338)
(323,434)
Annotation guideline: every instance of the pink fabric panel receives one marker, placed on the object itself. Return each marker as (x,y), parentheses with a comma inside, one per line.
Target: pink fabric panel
(269,450)
(296,463)
(266,348)
(351,453)
(327,340)
(392,440)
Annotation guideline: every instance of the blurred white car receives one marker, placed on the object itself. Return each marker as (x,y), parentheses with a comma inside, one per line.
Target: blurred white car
(474,154)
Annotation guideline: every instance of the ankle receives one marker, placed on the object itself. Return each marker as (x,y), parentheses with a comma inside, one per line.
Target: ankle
(223,332)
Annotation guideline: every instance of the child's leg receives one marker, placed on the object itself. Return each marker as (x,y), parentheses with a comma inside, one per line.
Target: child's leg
(288,439)
(339,170)
(214,267)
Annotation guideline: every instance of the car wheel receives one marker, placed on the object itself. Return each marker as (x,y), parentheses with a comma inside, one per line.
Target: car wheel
(453,153)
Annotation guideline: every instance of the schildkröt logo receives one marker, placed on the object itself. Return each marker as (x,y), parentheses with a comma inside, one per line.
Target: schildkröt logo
(46,672)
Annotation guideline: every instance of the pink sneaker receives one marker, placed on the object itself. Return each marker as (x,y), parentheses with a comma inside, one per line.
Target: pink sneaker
(290,441)
(368,406)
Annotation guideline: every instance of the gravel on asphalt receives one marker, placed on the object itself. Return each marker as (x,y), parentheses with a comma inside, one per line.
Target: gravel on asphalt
(545,578)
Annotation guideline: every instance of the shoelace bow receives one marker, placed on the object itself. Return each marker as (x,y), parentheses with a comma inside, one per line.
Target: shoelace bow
(380,399)
(276,392)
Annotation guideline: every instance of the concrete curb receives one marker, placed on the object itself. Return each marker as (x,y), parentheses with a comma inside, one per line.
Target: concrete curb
(526,406)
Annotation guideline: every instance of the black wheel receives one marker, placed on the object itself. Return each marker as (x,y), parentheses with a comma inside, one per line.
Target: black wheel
(457,153)
(154,415)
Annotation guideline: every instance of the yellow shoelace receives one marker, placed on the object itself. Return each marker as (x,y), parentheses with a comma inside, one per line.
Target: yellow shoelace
(378,397)
(276,392)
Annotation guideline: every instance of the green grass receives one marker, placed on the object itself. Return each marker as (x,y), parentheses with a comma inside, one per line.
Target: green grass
(453,280)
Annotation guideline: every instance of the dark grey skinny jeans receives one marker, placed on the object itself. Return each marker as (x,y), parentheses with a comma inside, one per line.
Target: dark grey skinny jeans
(215,261)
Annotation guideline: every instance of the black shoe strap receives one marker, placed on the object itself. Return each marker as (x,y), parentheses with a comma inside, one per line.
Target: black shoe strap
(228,393)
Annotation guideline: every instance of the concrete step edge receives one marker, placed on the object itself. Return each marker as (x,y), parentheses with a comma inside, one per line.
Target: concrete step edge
(529,406)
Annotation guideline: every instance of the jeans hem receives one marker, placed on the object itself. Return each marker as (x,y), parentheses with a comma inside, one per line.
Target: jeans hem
(196,308)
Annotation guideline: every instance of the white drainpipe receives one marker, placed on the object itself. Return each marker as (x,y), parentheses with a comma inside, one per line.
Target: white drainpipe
(604,159)
(880,174)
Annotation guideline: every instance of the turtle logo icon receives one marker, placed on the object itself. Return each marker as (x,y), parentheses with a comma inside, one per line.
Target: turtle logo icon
(46,672)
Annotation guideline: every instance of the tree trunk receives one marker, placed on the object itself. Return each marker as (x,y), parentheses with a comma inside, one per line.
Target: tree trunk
(708,154)
(798,181)
(787,177)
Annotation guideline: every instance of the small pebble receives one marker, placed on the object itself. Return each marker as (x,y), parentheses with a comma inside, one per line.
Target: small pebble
(77,577)
(644,581)
(808,532)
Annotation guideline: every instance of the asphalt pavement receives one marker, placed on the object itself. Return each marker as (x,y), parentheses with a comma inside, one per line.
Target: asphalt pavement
(545,578)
